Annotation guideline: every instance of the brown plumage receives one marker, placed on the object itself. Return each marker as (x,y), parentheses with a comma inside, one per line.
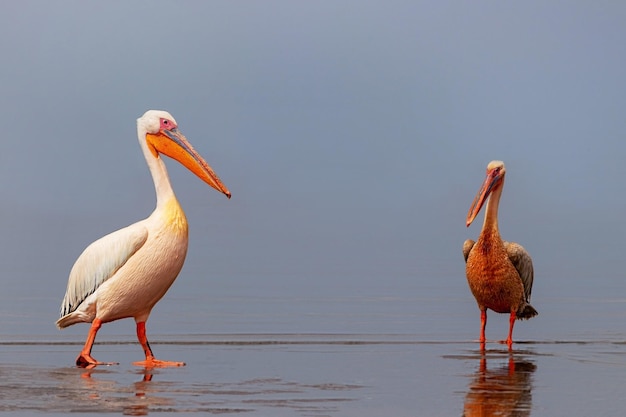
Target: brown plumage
(499,274)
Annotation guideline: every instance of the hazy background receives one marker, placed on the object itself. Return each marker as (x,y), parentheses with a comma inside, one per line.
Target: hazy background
(353,136)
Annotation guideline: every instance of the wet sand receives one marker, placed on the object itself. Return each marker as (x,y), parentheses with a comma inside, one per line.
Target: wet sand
(317,375)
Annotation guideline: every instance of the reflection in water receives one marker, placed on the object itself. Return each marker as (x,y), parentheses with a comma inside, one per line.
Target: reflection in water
(142,391)
(503,391)
(109,390)
(137,403)
(148,395)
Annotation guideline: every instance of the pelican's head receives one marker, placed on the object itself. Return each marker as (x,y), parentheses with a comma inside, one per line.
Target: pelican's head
(163,137)
(493,181)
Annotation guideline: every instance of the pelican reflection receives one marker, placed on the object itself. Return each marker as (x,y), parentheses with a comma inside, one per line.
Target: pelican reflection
(503,391)
(136,401)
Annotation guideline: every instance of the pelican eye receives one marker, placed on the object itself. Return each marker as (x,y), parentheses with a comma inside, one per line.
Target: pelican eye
(167,124)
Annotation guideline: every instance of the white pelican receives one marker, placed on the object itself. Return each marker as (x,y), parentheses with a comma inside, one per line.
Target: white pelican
(499,274)
(124,274)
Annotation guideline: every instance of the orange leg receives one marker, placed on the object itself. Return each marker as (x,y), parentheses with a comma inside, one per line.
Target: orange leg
(483,325)
(512,318)
(150,361)
(84,359)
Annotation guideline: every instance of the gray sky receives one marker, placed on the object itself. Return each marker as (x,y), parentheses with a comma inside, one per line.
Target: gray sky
(352,134)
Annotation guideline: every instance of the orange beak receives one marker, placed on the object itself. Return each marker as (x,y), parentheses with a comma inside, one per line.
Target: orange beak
(173,144)
(492,181)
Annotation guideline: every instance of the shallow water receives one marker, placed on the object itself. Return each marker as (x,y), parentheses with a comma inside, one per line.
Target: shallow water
(319,375)
(275,352)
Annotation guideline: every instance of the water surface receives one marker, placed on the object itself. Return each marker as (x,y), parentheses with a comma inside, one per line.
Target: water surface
(280,353)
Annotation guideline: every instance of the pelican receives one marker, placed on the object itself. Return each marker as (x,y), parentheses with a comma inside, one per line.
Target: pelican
(499,274)
(125,273)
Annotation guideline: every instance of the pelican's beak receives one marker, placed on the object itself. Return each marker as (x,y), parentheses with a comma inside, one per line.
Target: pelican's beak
(174,144)
(493,180)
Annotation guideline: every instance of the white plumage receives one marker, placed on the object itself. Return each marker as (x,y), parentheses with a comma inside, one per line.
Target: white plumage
(125,273)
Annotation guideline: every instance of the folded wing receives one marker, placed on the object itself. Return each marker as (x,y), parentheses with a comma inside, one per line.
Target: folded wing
(99,262)
(523,263)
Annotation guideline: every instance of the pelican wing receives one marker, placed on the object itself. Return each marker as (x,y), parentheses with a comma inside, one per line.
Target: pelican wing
(467,248)
(524,265)
(99,262)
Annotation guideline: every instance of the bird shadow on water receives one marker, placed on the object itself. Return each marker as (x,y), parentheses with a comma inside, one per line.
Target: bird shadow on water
(501,385)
